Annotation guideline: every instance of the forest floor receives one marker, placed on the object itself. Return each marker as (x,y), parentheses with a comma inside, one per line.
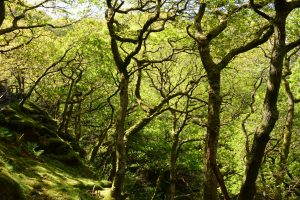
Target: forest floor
(41,177)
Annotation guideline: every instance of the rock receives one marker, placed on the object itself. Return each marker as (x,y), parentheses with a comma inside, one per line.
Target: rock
(70,158)
(105,184)
(59,150)
(55,146)
(30,121)
(33,124)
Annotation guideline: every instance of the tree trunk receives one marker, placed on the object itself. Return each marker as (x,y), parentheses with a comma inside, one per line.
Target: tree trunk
(62,124)
(212,135)
(68,119)
(96,148)
(287,136)
(2,12)
(157,186)
(118,181)
(174,153)
(270,112)
(78,123)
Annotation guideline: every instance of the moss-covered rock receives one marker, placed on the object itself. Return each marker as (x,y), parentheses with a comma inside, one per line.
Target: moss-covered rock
(32,124)
(9,189)
(30,120)
(105,184)
(55,146)
(59,150)
(70,158)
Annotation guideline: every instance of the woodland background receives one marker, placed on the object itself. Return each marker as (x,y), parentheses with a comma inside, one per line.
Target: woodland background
(168,99)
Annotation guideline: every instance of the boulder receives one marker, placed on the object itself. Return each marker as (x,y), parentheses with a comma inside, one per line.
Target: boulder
(33,124)
(30,121)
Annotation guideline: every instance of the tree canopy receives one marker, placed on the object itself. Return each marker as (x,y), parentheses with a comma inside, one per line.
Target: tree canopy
(166,99)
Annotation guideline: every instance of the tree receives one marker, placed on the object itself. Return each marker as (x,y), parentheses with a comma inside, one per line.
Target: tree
(155,22)
(173,80)
(270,112)
(213,69)
(288,130)
(19,20)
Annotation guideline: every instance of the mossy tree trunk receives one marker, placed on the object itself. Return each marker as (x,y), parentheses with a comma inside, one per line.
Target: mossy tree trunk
(270,112)
(174,155)
(287,134)
(95,150)
(2,12)
(178,126)
(213,177)
(63,126)
(122,61)
(212,135)
(118,181)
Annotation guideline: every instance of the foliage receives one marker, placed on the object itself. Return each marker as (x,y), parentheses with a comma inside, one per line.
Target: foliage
(77,106)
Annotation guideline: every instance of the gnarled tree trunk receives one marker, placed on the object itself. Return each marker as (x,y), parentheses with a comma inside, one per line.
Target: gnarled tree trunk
(287,135)
(213,129)
(270,112)
(118,181)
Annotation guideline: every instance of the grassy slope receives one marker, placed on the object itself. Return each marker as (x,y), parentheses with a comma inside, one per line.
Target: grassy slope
(45,178)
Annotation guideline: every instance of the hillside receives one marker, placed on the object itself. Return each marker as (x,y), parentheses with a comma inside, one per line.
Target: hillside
(37,168)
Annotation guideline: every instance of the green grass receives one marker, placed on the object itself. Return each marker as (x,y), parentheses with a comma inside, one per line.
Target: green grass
(45,178)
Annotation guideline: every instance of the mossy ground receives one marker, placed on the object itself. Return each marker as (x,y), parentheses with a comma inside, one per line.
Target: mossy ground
(45,178)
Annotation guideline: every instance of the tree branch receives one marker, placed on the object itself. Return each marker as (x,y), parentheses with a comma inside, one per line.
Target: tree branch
(255,8)
(146,26)
(216,31)
(42,76)
(18,46)
(293,4)
(16,27)
(250,45)
(292,45)
(198,18)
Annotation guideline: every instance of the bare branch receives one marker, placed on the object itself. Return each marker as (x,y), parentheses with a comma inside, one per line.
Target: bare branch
(243,123)
(43,75)
(292,45)
(250,45)
(16,27)
(256,9)
(293,4)
(198,18)
(18,46)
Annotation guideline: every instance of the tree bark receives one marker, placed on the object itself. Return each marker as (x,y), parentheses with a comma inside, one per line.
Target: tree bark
(270,112)
(62,125)
(212,135)
(118,181)
(287,135)
(2,12)
(158,183)
(213,70)
(173,171)
(97,147)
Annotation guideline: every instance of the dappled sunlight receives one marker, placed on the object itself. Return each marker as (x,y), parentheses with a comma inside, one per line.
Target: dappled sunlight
(43,177)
